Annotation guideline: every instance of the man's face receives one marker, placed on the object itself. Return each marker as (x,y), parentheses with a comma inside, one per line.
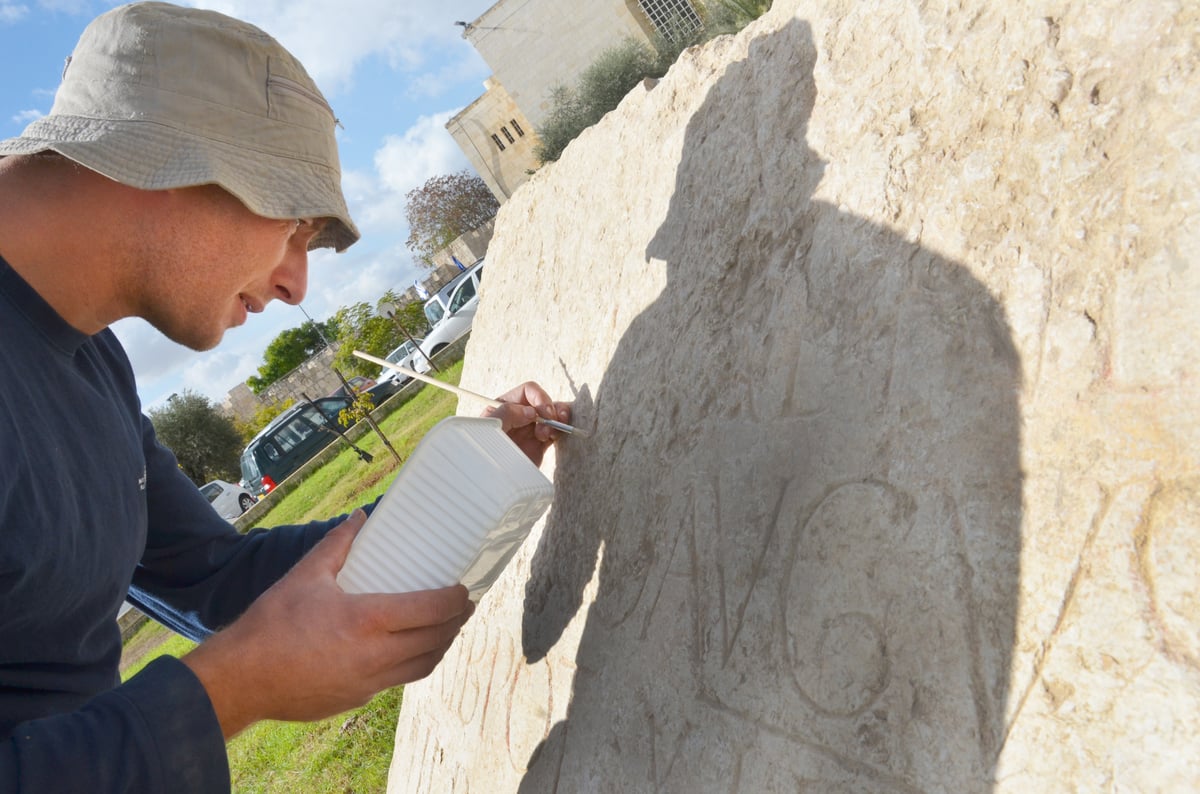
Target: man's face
(210,262)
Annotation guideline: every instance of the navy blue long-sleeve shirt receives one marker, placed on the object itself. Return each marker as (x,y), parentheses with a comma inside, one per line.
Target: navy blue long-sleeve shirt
(93,510)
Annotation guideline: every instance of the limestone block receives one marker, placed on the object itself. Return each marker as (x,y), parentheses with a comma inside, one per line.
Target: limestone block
(882,318)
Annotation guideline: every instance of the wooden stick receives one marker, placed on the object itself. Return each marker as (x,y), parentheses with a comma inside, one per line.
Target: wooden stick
(456,390)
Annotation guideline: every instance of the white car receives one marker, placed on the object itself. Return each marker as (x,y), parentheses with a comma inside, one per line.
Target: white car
(406,355)
(228,499)
(450,323)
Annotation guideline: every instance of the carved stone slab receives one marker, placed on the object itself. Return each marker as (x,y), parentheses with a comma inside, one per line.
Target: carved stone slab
(884,321)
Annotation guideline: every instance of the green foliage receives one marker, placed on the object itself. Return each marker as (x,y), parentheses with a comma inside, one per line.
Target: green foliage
(262,417)
(564,122)
(289,350)
(617,70)
(346,752)
(408,316)
(411,318)
(205,441)
(356,411)
(160,641)
(443,209)
(361,328)
(601,88)
(730,16)
(349,752)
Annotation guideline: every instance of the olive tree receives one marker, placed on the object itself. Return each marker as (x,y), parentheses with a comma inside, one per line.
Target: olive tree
(205,441)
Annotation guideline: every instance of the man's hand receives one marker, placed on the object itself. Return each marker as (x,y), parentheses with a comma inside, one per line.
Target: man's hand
(519,413)
(307,650)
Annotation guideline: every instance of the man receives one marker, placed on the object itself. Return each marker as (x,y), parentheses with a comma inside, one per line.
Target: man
(186,169)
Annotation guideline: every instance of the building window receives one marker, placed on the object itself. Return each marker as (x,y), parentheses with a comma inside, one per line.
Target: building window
(517,127)
(508,134)
(499,142)
(671,18)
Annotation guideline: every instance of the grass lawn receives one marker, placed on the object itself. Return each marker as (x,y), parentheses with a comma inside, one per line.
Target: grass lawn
(348,753)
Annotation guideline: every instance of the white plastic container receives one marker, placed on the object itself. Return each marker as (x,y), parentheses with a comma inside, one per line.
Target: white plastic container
(457,512)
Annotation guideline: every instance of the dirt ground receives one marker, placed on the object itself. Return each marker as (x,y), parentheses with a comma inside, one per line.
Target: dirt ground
(140,644)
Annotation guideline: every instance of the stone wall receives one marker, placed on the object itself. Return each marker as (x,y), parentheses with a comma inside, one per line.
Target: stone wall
(314,377)
(469,248)
(883,326)
(240,403)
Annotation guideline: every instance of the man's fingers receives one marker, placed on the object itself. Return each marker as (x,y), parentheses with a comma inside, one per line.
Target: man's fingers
(407,611)
(563,411)
(400,655)
(512,415)
(528,393)
(410,670)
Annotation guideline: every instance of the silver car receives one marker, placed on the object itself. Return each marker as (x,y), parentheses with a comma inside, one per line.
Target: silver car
(406,355)
(228,499)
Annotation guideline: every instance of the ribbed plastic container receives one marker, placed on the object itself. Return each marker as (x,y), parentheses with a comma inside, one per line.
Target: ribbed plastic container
(457,512)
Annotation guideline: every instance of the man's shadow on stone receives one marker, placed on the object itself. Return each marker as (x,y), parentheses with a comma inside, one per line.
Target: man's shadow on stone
(803,489)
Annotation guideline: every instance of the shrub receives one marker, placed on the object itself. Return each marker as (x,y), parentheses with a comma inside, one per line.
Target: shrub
(601,88)
(617,70)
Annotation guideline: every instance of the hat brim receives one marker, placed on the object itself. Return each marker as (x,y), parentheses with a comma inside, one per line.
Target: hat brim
(154,156)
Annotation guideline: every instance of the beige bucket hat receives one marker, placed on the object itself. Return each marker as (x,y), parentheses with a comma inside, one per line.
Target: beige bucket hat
(157,96)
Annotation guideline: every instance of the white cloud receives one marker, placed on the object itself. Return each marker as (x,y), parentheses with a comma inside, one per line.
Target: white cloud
(332,39)
(404,162)
(430,83)
(11,13)
(164,367)
(76,7)
(426,149)
(26,116)
(219,371)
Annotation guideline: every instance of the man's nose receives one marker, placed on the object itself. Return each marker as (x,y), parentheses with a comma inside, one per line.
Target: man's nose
(291,277)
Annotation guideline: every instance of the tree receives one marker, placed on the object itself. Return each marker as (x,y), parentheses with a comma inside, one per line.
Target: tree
(409,317)
(361,328)
(289,350)
(206,442)
(445,208)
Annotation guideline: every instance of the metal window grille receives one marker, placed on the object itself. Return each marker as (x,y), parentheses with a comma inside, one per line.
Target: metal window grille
(499,143)
(517,127)
(507,134)
(671,18)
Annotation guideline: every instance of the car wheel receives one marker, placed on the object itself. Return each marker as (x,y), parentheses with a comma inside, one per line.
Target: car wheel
(245,501)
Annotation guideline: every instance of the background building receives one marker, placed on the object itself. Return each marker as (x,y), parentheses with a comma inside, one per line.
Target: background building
(532,46)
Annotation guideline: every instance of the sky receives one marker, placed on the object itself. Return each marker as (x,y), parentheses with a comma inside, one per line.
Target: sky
(394,72)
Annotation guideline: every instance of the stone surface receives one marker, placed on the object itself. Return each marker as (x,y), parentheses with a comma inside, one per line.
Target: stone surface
(883,319)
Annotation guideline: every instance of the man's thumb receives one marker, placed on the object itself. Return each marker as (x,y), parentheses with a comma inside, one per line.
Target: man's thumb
(330,554)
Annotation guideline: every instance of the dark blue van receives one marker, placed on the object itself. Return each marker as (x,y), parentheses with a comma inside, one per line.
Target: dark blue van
(290,441)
